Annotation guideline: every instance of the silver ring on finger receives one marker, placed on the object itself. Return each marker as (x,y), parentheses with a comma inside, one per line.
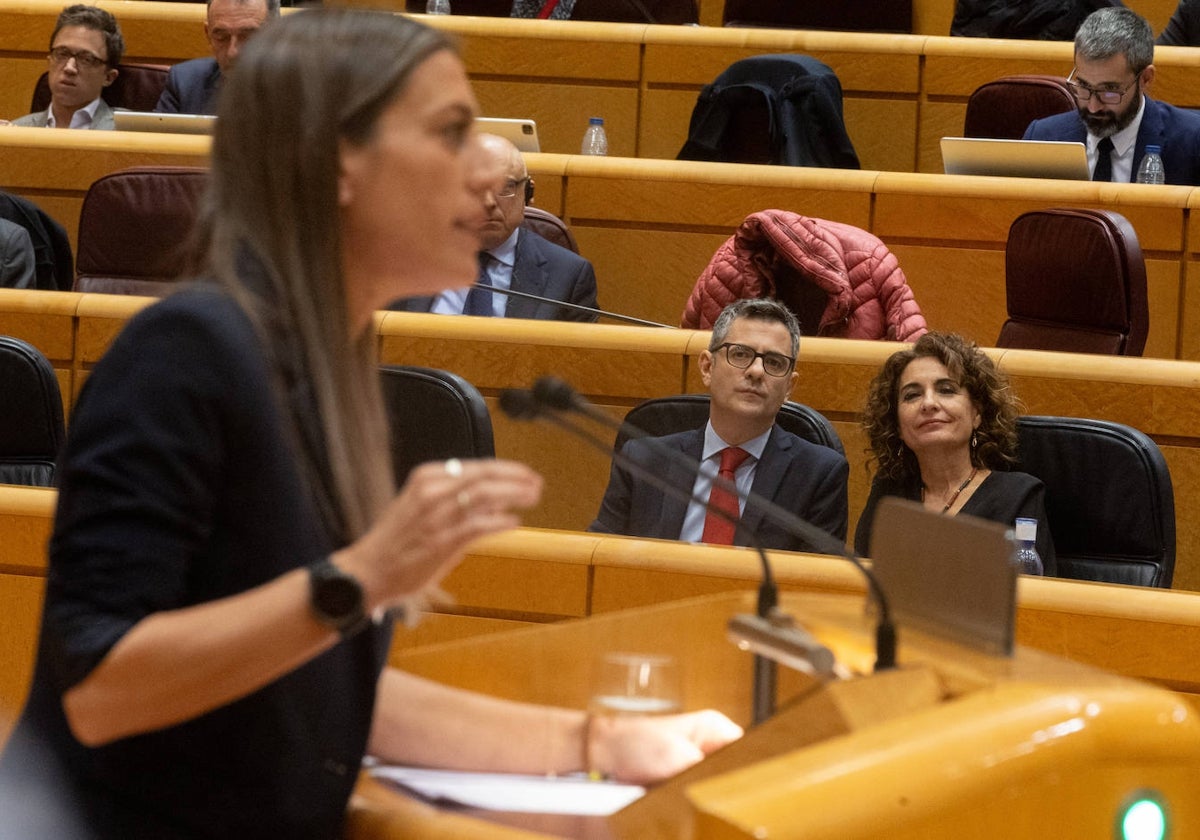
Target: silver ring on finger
(453,467)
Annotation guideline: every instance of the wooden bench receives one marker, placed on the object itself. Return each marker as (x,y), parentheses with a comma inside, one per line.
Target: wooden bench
(902,92)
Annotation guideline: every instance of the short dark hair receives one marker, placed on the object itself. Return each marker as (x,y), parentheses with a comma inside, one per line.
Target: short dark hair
(1116,30)
(760,309)
(93,17)
(984,383)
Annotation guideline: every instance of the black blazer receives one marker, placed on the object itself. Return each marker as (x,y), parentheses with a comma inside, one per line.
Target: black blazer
(191,88)
(544,269)
(805,478)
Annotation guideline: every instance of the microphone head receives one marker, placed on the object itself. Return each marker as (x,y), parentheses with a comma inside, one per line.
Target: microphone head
(552,392)
(519,404)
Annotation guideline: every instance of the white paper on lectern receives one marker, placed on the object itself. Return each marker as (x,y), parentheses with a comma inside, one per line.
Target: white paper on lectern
(510,792)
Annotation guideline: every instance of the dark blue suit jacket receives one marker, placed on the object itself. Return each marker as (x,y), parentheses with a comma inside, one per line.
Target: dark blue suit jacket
(1176,130)
(805,478)
(544,269)
(191,88)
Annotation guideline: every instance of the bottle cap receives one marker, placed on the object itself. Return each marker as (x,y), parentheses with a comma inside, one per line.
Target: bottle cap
(1153,150)
(596,121)
(1026,529)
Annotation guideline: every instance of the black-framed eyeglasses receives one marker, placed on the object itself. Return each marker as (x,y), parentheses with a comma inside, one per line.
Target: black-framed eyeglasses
(511,186)
(741,356)
(1083,94)
(84,59)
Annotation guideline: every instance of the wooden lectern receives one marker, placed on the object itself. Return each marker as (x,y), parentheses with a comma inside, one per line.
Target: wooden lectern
(954,743)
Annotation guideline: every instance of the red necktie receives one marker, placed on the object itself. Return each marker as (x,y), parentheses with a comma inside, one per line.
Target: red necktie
(547,8)
(717,529)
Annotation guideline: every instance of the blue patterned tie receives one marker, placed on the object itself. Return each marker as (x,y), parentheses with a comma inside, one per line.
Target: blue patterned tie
(479,301)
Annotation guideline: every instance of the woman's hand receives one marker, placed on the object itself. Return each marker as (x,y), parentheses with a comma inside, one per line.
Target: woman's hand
(422,534)
(651,748)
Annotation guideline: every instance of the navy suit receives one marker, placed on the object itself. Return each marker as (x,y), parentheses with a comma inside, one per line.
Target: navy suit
(805,478)
(544,269)
(1175,130)
(191,88)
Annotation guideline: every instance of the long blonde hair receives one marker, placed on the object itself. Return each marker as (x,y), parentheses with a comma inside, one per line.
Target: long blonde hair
(304,85)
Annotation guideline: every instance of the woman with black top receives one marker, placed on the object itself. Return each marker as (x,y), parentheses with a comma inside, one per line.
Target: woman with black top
(941,421)
(228,541)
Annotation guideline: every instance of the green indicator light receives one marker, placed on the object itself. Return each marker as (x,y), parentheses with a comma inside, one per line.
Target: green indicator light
(1144,820)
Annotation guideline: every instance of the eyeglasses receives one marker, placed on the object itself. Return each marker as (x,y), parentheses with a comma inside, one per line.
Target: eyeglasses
(1083,94)
(741,356)
(510,187)
(84,60)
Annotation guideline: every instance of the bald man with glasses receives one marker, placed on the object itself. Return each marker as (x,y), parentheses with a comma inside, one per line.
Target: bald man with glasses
(1115,118)
(514,258)
(749,369)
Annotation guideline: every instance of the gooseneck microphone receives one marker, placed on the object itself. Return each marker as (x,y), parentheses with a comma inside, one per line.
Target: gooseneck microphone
(577,307)
(551,397)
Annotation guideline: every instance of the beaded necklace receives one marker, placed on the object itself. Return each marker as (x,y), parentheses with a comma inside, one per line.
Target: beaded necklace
(961,488)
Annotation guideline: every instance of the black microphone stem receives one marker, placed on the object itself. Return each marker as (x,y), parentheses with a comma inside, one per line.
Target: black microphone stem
(768,595)
(561,396)
(578,307)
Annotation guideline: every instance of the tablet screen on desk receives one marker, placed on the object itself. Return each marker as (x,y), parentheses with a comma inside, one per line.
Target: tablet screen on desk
(165,123)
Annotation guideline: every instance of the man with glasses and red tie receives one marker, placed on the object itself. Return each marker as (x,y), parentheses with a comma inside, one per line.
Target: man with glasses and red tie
(750,370)
(85,48)
(1114,55)
(514,258)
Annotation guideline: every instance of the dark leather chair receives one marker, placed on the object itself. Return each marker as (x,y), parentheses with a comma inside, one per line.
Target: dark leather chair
(136,88)
(548,226)
(1076,282)
(433,415)
(135,230)
(667,415)
(1004,108)
(775,109)
(475,8)
(1108,498)
(31,415)
(637,11)
(844,15)
(54,264)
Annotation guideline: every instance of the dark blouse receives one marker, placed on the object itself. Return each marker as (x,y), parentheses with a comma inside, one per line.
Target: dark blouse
(1002,497)
(179,486)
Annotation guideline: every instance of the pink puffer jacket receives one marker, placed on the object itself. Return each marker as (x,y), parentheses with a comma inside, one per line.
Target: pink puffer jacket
(867,295)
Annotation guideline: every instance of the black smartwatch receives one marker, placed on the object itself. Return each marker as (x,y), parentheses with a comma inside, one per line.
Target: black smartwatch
(337,598)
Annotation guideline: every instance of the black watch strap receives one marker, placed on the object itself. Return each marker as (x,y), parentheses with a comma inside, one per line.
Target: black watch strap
(336,598)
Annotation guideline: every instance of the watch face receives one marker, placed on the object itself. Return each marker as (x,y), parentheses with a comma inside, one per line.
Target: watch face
(339,597)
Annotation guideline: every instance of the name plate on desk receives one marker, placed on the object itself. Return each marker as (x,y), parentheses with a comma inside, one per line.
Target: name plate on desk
(952,576)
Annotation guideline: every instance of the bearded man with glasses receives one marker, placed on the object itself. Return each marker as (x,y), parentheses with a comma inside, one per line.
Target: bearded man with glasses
(750,370)
(1114,55)
(85,48)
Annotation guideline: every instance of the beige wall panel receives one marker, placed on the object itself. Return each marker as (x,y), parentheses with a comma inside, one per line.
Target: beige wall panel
(938,119)
(20,613)
(562,111)
(1184,463)
(1163,299)
(715,195)
(958,289)
(44,319)
(435,628)
(1189,327)
(545,589)
(883,132)
(646,273)
(20,75)
(954,67)
(666,115)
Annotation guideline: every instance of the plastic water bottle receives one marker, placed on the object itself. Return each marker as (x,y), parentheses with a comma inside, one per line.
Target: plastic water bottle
(1150,170)
(595,141)
(1028,561)
(437,7)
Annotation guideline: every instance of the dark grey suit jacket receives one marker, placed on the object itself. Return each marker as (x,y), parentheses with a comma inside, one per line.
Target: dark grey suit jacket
(1175,130)
(805,478)
(191,88)
(544,269)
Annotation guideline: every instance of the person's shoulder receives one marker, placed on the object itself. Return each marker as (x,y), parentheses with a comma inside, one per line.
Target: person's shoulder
(35,120)
(1014,481)
(550,250)
(193,68)
(641,448)
(1179,116)
(804,449)
(199,310)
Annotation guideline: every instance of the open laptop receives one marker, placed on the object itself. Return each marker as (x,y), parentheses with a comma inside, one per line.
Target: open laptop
(521,133)
(165,123)
(1015,158)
